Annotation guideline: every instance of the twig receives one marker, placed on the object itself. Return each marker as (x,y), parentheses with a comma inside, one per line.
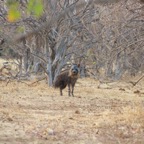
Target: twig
(24,82)
(37,81)
(43,69)
(8,81)
(135,83)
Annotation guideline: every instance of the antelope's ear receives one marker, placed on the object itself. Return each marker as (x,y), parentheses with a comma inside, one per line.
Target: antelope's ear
(78,65)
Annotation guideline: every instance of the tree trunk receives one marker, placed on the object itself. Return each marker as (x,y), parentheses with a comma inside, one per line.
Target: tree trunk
(50,75)
(26,60)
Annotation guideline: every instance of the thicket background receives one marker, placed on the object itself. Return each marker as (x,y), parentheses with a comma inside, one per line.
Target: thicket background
(105,37)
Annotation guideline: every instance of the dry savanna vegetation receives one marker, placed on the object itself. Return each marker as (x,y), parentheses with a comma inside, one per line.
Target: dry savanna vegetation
(111,113)
(41,38)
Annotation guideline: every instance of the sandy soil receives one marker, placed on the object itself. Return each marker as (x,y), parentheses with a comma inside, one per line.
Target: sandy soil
(37,114)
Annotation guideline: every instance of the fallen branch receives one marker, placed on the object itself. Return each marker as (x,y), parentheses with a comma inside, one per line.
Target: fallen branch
(135,83)
(37,81)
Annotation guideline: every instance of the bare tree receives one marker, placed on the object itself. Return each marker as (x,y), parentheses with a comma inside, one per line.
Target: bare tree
(106,36)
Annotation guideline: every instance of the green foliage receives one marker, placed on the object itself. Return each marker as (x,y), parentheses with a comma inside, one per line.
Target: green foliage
(21,29)
(13,12)
(34,7)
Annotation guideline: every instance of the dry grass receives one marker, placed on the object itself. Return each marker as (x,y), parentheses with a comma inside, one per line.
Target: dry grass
(37,114)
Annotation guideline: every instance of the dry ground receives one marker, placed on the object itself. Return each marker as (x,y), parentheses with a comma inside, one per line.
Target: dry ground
(36,114)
